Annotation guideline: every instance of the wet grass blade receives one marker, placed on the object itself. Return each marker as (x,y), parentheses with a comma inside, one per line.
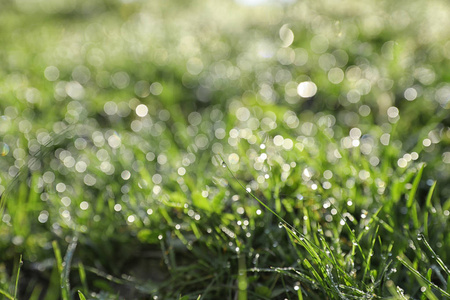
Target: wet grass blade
(422,279)
(435,256)
(64,268)
(410,203)
(67,265)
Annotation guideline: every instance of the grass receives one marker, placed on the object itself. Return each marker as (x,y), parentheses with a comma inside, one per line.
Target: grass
(173,151)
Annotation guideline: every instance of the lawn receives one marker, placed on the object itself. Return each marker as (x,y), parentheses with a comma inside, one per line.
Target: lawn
(224,150)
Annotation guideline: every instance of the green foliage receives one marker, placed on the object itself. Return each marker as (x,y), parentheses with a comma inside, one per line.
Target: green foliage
(214,150)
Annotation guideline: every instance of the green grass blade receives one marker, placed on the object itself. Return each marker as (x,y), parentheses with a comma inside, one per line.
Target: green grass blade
(36,294)
(410,203)
(424,294)
(6,294)
(427,207)
(369,256)
(299,292)
(313,271)
(65,283)
(64,269)
(82,273)
(57,256)
(81,296)
(242,278)
(430,195)
(59,262)
(434,255)
(422,279)
(448,284)
(17,277)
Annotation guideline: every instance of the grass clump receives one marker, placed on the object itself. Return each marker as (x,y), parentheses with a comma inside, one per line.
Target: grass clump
(173,151)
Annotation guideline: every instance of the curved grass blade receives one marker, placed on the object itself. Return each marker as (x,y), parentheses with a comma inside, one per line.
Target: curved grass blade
(427,207)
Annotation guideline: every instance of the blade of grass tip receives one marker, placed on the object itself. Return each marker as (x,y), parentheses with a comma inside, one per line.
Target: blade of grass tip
(81,296)
(17,277)
(424,294)
(427,207)
(410,203)
(422,279)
